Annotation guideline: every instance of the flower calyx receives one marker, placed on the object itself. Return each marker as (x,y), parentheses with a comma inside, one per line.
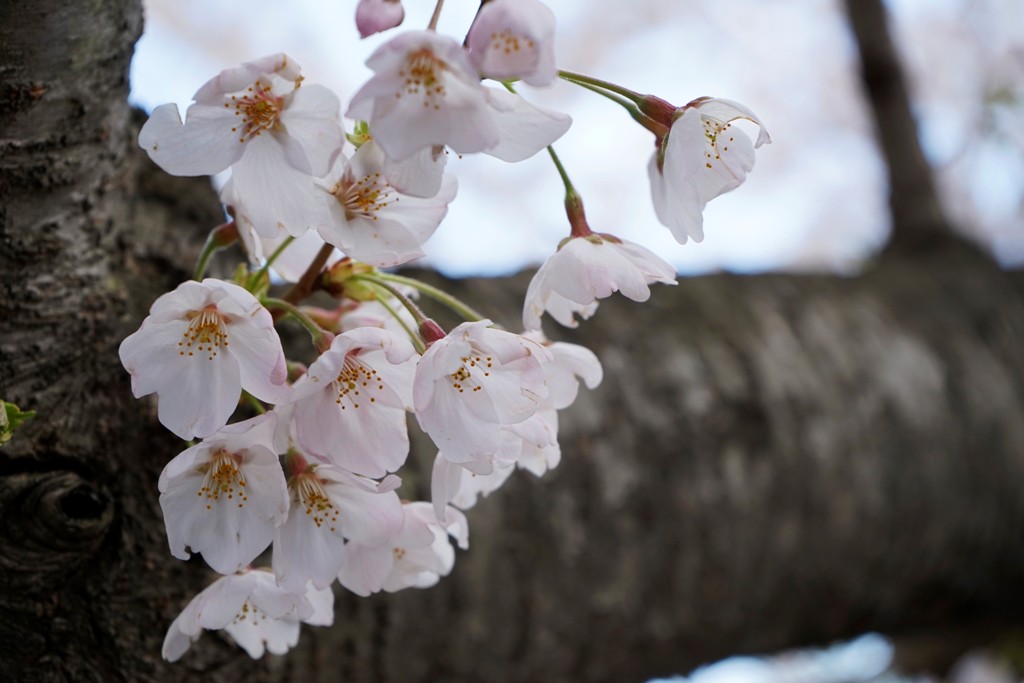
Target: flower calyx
(338,280)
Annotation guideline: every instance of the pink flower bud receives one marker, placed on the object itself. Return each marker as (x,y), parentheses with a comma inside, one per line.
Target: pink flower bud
(374,16)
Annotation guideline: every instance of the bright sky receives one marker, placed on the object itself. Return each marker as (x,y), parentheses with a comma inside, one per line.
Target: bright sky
(816,198)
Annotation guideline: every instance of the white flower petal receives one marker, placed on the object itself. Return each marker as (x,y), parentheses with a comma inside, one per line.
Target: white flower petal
(206,145)
(525,128)
(273,192)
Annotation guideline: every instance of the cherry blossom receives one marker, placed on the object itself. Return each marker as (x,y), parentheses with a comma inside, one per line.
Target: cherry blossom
(514,39)
(472,383)
(531,445)
(224,497)
(257,613)
(368,219)
(328,507)
(703,156)
(350,406)
(588,268)
(257,120)
(424,93)
(199,347)
(416,557)
(374,16)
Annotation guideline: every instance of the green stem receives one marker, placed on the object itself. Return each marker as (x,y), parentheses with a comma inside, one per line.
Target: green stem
(421,348)
(318,334)
(597,83)
(632,109)
(205,255)
(255,277)
(374,279)
(464,310)
(570,191)
(256,404)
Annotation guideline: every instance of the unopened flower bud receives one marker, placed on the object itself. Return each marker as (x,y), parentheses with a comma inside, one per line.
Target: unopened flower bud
(374,16)
(431,332)
(337,280)
(224,235)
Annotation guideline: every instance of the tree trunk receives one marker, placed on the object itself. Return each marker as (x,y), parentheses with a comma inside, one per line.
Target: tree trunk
(770,461)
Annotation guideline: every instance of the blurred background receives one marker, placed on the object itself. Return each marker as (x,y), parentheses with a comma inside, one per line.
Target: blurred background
(817,197)
(816,200)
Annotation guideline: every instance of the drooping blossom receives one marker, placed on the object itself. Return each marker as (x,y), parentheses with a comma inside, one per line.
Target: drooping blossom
(258,614)
(514,39)
(585,269)
(350,406)
(473,383)
(199,347)
(328,507)
(417,557)
(703,156)
(257,120)
(224,496)
(368,219)
(424,93)
(374,16)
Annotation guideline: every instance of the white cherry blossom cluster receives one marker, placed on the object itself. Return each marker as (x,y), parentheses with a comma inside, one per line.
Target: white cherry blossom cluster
(300,458)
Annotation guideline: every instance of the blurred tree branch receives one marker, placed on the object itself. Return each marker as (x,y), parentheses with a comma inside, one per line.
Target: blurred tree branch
(918,220)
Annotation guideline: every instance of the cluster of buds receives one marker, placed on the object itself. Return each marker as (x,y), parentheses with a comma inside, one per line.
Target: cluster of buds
(311,473)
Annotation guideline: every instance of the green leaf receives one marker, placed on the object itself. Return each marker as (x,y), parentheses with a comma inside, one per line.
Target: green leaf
(11,417)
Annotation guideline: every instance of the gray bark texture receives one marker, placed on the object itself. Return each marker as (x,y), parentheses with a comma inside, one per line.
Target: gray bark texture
(770,461)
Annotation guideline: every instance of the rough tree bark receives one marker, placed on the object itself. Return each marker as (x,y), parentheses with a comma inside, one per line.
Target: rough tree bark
(771,460)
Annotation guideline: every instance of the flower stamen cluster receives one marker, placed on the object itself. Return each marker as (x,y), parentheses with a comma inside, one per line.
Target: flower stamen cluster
(260,110)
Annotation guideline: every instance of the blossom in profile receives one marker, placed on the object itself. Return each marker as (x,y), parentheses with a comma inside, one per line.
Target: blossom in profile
(199,347)
(374,16)
(514,39)
(588,268)
(703,156)
(249,606)
(225,496)
(255,119)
